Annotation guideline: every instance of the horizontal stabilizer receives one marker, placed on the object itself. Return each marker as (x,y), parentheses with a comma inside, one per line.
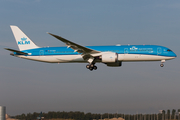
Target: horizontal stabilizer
(23,53)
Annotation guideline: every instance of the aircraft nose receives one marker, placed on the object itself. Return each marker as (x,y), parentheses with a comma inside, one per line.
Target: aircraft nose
(174,55)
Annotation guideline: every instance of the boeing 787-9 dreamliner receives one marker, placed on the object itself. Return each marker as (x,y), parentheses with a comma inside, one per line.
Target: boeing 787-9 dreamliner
(112,56)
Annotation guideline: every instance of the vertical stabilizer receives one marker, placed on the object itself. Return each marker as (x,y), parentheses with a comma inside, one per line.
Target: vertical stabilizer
(22,40)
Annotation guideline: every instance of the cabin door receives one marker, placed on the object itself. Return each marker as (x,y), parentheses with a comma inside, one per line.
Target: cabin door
(125,50)
(159,50)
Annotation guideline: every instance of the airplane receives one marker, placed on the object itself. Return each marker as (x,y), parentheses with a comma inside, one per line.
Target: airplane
(40,116)
(111,55)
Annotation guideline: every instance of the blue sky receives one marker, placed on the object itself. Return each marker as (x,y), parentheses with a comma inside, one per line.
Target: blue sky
(143,87)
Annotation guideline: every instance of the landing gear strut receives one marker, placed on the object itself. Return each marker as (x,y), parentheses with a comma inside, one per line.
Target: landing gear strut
(91,67)
(162,61)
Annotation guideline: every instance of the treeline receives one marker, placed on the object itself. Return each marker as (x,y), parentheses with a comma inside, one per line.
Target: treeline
(65,115)
(162,115)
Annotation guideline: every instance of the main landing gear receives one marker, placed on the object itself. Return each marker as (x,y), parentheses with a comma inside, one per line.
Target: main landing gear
(91,67)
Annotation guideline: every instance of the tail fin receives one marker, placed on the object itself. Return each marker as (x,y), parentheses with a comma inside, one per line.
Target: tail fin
(22,40)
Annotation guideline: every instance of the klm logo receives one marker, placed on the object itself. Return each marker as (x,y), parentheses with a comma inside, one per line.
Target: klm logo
(133,48)
(23,41)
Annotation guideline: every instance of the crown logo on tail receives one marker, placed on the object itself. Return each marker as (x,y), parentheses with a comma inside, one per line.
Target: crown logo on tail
(23,38)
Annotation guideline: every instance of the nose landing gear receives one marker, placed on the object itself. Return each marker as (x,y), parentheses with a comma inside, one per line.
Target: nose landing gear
(162,61)
(162,65)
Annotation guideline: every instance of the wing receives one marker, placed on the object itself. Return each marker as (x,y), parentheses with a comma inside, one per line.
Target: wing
(23,53)
(76,47)
(87,53)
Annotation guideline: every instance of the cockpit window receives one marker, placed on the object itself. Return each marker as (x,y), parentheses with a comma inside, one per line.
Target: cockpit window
(169,50)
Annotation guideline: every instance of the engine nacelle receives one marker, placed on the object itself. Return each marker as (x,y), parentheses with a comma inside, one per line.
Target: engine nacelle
(109,57)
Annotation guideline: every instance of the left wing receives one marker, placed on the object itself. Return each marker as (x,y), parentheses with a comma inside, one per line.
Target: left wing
(74,46)
(86,52)
(23,53)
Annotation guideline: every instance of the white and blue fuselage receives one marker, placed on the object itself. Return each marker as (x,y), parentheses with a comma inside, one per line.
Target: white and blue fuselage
(75,53)
(125,53)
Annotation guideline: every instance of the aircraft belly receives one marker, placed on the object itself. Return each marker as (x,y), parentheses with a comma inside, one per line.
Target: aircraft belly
(55,58)
(69,58)
(40,58)
(140,57)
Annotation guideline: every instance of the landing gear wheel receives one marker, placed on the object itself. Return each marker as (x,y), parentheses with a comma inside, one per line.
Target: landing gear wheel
(91,68)
(162,65)
(87,66)
(91,65)
(95,67)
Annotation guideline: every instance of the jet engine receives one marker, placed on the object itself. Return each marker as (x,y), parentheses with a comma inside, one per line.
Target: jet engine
(109,57)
